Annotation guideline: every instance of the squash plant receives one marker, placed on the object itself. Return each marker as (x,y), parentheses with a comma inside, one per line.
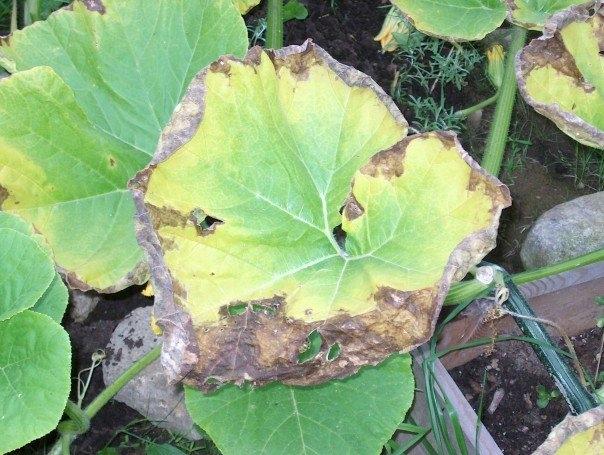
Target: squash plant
(295,234)
(35,354)
(559,74)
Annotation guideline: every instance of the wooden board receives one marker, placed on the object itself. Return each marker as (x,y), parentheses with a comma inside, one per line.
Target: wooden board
(566,298)
(448,388)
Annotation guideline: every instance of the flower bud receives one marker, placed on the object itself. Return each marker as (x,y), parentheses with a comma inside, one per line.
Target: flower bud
(495,60)
(394,27)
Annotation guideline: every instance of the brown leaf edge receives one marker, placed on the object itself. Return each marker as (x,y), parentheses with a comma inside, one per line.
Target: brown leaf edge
(181,352)
(549,49)
(570,426)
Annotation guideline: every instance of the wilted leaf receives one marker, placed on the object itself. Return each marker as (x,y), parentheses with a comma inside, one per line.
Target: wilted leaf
(355,415)
(269,146)
(561,74)
(454,19)
(473,19)
(582,434)
(71,136)
(35,381)
(533,14)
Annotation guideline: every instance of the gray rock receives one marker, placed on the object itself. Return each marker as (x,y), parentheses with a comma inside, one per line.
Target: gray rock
(82,304)
(149,393)
(566,231)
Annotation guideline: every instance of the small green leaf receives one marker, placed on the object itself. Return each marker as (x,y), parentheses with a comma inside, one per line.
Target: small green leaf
(36,374)
(353,416)
(562,76)
(293,9)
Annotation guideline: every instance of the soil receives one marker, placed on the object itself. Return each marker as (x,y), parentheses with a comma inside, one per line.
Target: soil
(517,424)
(346,31)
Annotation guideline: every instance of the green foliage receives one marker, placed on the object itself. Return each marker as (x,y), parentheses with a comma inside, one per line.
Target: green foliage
(355,415)
(429,67)
(544,396)
(35,353)
(293,9)
(101,120)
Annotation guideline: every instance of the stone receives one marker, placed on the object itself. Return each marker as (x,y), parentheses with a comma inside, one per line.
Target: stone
(82,304)
(565,232)
(149,393)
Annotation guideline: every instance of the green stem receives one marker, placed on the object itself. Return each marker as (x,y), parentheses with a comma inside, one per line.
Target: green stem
(107,394)
(13,18)
(470,110)
(468,290)
(274,24)
(495,148)
(62,446)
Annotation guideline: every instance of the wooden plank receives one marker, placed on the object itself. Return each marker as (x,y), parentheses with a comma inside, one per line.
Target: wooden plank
(567,299)
(448,388)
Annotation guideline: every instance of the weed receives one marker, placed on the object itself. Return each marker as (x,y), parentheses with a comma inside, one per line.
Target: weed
(427,66)
(517,149)
(585,167)
(257,31)
(544,396)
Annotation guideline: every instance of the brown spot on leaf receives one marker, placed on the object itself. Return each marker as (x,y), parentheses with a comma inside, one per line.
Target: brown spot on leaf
(3,195)
(221,65)
(551,52)
(387,163)
(111,161)
(299,63)
(94,5)
(353,209)
(166,216)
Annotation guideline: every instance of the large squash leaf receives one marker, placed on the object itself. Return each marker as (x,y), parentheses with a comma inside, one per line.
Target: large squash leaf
(269,146)
(245,5)
(473,19)
(355,415)
(71,136)
(36,375)
(454,19)
(561,74)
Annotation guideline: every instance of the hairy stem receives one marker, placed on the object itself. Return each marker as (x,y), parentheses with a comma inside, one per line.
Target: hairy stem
(470,110)
(468,290)
(274,24)
(495,148)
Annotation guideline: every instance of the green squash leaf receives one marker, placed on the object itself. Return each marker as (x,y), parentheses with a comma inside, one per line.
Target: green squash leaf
(270,146)
(36,374)
(561,74)
(26,271)
(355,415)
(53,301)
(469,20)
(464,20)
(93,87)
(533,14)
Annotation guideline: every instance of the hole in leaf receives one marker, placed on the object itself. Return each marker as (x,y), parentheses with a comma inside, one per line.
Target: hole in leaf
(334,352)
(311,348)
(205,224)
(340,235)
(240,308)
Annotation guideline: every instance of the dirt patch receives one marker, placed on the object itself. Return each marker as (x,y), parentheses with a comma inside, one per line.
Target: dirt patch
(518,425)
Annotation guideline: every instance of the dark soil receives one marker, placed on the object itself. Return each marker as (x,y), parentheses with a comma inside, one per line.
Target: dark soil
(346,31)
(517,424)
